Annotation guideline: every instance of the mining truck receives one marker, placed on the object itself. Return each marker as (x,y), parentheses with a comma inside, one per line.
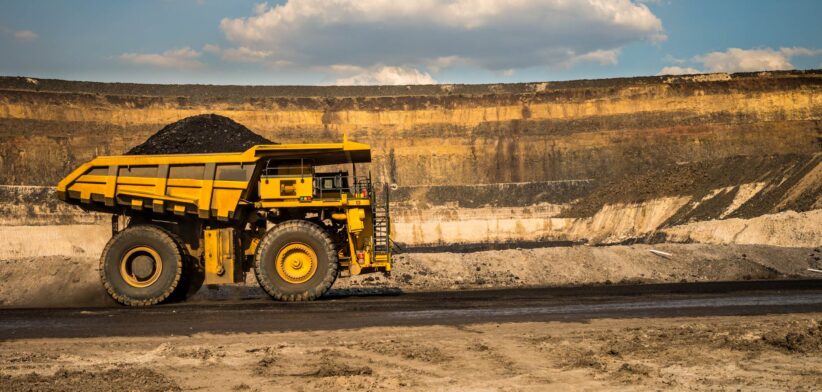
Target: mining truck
(293,213)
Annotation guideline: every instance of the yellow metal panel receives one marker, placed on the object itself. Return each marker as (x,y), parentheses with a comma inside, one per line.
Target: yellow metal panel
(93,179)
(286,187)
(220,263)
(149,195)
(305,187)
(185,182)
(141,160)
(269,189)
(111,186)
(204,204)
(313,203)
(162,179)
(142,189)
(183,192)
(356,219)
(230,184)
(224,201)
(321,153)
(62,186)
(152,181)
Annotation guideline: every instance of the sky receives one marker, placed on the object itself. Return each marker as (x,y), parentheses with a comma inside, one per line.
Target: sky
(369,42)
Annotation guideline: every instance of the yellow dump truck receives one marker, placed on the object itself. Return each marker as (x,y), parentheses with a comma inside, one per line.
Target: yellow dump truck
(292,212)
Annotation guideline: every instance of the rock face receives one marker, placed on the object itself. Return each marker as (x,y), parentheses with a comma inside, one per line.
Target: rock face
(600,161)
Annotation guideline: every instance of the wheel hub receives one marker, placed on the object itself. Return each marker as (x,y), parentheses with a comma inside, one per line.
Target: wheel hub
(141,267)
(296,263)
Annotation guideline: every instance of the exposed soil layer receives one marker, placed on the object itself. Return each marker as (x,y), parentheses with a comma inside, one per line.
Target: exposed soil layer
(206,133)
(701,180)
(495,195)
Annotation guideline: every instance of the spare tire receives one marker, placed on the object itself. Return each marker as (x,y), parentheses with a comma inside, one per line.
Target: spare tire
(296,261)
(141,265)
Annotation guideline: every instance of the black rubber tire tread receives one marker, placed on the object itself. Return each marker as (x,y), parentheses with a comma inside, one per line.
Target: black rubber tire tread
(191,280)
(163,237)
(326,258)
(193,275)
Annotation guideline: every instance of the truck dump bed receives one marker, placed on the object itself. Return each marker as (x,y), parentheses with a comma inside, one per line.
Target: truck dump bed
(203,185)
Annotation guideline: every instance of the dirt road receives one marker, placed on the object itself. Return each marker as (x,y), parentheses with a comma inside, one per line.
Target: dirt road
(713,336)
(418,309)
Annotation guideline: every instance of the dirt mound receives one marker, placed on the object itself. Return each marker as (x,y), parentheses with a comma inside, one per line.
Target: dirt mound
(205,133)
(797,338)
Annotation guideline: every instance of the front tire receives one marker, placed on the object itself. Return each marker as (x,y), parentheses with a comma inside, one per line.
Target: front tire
(296,261)
(141,265)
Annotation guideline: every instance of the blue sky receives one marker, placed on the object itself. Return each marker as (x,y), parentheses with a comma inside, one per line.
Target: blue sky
(292,42)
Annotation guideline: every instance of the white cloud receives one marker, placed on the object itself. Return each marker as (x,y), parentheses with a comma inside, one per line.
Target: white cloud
(604,57)
(214,49)
(241,54)
(183,58)
(387,75)
(261,8)
(436,34)
(244,54)
(739,60)
(25,35)
(744,60)
(440,63)
(677,70)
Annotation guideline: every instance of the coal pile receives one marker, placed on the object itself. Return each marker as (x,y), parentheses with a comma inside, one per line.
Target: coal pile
(206,133)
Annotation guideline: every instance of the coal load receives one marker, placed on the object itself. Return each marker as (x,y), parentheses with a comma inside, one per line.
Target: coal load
(206,133)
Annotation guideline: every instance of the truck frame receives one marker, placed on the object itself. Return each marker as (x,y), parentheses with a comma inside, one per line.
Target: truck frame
(183,220)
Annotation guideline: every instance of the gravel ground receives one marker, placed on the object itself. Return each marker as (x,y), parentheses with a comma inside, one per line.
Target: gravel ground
(708,353)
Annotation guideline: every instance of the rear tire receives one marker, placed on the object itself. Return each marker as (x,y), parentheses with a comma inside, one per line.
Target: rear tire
(191,279)
(296,261)
(141,265)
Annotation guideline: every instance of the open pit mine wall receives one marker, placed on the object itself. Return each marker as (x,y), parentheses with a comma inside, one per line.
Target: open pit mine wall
(475,164)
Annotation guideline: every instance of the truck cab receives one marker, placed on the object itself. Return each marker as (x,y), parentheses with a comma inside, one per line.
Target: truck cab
(336,196)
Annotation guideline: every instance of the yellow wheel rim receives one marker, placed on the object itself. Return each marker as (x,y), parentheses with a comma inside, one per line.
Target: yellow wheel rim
(141,266)
(296,263)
